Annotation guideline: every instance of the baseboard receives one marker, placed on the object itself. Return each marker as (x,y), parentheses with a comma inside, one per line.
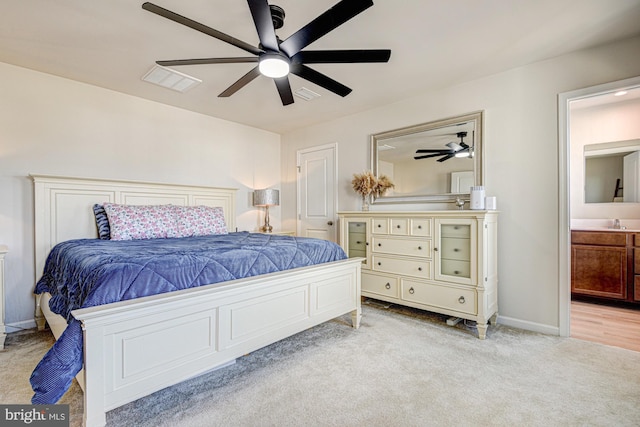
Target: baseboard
(20,326)
(529,326)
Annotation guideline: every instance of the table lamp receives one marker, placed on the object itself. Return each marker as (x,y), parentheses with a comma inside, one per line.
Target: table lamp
(267,197)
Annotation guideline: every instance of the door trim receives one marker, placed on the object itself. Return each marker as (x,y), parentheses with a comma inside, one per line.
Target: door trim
(299,153)
(564,200)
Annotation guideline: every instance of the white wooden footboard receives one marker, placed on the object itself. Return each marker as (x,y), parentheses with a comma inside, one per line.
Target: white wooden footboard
(134,348)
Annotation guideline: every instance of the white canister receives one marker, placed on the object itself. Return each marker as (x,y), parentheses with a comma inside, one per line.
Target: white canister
(490,203)
(477,197)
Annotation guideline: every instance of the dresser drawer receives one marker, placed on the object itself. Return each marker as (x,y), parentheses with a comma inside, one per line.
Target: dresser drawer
(380,285)
(407,267)
(455,230)
(454,248)
(414,247)
(420,227)
(451,267)
(357,241)
(450,298)
(357,227)
(636,260)
(399,226)
(380,226)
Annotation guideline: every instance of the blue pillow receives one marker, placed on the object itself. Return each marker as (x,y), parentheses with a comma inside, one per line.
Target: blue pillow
(102,221)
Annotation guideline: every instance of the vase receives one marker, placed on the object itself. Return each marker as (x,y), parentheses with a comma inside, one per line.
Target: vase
(365,203)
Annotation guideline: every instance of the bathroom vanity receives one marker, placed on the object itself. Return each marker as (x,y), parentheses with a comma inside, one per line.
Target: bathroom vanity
(605,264)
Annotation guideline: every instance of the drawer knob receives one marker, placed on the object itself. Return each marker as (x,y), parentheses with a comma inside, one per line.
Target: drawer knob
(379,225)
(461,300)
(419,248)
(388,286)
(358,242)
(379,244)
(419,268)
(456,272)
(379,263)
(419,227)
(435,249)
(456,250)
(455,227)
(411,291)
(398,226)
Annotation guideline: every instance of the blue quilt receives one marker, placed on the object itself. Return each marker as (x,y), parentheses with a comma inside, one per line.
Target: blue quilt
(89,272)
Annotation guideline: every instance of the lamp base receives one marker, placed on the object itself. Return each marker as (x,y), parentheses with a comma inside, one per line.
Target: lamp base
(266,229)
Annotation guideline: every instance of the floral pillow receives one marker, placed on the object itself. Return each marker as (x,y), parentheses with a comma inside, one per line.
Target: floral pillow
(102,222)
(128,222)
(200,221)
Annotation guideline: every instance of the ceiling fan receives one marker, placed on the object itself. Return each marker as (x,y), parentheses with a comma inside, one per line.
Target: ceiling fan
(455,150)
(277,58)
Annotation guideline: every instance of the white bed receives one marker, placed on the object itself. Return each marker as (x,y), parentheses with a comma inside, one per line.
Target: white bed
(128,346)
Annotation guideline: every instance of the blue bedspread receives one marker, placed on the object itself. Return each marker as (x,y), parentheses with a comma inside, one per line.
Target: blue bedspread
(89,272)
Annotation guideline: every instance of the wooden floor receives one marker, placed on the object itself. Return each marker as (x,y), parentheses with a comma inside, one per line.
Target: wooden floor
(618,327)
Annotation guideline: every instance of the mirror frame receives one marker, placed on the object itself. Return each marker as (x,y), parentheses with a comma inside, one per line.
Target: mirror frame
(478,158)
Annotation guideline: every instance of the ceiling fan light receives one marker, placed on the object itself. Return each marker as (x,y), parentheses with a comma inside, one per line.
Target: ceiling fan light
(274,65)
(462,154)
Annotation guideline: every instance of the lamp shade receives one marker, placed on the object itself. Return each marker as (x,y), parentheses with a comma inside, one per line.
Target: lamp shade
(266,197)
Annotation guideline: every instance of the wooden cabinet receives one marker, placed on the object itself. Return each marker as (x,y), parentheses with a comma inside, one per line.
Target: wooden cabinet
(606,265)
(440,261)
(3,331)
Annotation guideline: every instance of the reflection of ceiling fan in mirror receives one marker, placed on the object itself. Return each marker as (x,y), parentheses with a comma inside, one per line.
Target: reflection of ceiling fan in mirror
(277,58)
(455,150)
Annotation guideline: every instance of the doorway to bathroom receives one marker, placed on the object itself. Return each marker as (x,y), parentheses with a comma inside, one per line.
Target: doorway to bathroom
(598,127)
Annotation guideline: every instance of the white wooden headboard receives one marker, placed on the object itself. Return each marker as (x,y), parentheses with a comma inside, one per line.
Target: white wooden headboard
(64,205)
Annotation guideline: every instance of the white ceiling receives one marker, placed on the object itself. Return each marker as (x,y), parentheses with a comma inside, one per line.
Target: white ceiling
(434,43)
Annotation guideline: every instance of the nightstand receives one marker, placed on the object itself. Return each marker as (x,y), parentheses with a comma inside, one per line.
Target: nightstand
(3,330)
(281,233)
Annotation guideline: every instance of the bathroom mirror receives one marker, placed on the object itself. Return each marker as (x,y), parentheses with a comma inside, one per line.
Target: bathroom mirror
(431,162)
(612,171)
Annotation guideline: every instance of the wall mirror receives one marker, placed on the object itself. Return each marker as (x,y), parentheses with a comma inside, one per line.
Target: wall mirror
(431,162)
(612,172)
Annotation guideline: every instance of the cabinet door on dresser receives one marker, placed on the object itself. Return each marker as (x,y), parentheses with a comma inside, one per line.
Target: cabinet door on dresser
(355,238)
(454,250)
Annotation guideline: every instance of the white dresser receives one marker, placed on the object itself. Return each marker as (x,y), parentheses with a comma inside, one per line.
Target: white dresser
(440,261)
(3,330)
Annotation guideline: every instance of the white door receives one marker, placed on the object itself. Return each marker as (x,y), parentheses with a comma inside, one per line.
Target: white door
(317,176)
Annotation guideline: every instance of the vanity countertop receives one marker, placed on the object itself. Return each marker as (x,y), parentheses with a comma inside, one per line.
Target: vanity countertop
(628,225)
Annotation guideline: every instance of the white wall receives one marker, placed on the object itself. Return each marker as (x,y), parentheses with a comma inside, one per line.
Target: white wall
(521,162)
(50,125)
(619,121)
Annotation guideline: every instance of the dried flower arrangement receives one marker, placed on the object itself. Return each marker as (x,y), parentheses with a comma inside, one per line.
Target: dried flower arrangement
(367,184)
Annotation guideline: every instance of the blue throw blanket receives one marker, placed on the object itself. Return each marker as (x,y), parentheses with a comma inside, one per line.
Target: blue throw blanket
(89,272)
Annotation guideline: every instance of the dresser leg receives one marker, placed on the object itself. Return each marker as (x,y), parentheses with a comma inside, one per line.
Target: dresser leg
(494,319)
(482,330)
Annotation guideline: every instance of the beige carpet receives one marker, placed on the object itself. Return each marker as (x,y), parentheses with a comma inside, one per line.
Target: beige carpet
(402,367)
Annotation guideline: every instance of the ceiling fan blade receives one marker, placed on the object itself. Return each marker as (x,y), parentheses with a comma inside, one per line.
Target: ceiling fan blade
(342,56)
(424,150)
(284,89)
(426,156)
(264,24)
(329,20)
(240,83)
(200,27)
(447,157)
(320,79)
(200,61)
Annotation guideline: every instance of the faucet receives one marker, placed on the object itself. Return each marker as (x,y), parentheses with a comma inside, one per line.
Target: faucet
(616,224)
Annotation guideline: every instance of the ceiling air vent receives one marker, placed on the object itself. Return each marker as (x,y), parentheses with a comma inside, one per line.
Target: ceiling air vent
(306,94)
(171,79)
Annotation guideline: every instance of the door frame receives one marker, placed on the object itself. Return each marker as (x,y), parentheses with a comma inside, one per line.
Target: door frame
(333,146)
(564,200)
